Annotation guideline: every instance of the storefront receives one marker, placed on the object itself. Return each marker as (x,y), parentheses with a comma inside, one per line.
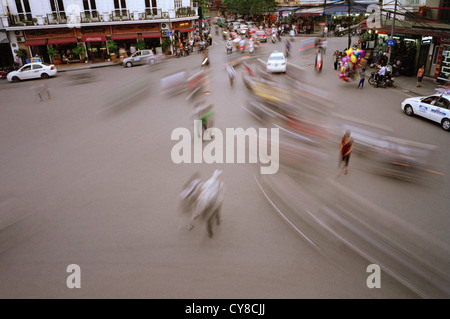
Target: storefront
(94,39)
(150,34)
(309,19)
(339,15)
(126,37)
(443,61)
(182,31)
(38,48)
(6,58)
(64,40)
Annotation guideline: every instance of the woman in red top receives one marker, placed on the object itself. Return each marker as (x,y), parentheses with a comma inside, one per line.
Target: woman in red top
(346,147)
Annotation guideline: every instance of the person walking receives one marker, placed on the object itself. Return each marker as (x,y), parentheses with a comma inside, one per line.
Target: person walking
(420,76)
(335,59)
(346,147)
(362,76)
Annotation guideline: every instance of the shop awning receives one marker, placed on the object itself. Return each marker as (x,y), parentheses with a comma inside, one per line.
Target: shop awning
(286,8)
(342,9)
(187,30)
(62,40)
(309,12)
(35,42)
(148,35)
(124,36)
(93,38)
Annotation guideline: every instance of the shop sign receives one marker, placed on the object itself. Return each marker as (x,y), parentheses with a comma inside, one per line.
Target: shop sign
(390,43)
(427,39)
(181,25)
(443,40)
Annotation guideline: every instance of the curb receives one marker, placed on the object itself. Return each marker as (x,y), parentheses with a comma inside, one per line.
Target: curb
(91,66)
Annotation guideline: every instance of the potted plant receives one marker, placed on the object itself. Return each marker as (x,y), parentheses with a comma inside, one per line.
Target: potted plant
(52,51)
(79,50)
(21,54)
(140,45)
(165,45)
(112,46)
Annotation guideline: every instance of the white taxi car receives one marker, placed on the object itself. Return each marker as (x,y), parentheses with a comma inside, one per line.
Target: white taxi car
(276,62)
(434,107)
(32,71)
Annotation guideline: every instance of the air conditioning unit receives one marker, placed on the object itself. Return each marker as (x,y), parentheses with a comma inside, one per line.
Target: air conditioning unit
(18,33)
(164,34)
(20,39)
(164,26)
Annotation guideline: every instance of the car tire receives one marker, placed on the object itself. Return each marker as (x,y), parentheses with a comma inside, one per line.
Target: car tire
(15,79)
(409,110)
(129,64)
(44,76)
(445,124)
(371,81)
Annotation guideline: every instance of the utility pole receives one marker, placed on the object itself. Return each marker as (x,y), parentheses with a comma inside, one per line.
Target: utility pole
(392,31)
(349,35)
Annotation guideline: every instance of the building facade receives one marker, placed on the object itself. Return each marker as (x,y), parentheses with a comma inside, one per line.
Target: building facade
(38,27)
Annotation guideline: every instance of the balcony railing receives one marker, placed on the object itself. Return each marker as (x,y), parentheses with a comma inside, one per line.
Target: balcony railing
(120,15)
(185,12)
(91,16)
(87,16)
(56,17)
(153,13)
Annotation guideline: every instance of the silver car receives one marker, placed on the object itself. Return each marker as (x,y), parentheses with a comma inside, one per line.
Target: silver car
(140,57)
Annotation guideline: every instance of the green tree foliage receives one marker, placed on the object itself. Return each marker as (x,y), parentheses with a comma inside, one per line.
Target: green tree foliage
(250,7)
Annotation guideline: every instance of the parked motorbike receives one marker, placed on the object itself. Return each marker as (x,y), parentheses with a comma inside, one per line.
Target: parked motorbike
(187,50)
(389,80)
(274,38)
(178,52)
(3,74)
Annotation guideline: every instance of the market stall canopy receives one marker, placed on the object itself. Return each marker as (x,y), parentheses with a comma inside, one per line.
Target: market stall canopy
(305,12)
(342,9)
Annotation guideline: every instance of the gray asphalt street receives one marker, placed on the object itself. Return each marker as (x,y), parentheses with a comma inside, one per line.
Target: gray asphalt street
(87,178)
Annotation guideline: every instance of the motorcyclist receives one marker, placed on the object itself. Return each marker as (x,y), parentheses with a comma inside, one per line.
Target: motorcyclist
(251,45)
(381,74)
(229,45)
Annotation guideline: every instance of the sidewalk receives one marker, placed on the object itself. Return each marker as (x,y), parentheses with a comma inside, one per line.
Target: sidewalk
(409,83)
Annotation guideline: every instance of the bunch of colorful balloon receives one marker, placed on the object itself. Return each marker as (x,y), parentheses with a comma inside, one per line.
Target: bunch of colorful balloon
(350,63)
